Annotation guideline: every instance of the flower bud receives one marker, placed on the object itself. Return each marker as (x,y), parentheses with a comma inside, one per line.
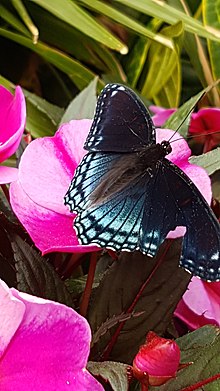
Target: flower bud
(157,360)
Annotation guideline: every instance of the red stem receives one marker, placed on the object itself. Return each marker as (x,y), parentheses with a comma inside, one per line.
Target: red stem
(88,289)
(144,387)
(114,338)
(201,383)
(71,263)
(207,144)
(113,255)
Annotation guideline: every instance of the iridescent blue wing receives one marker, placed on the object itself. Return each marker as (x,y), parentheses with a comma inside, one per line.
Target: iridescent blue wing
(136,218)
(141,215)
(88,175)
(201,243)
(132,219)
(121,122)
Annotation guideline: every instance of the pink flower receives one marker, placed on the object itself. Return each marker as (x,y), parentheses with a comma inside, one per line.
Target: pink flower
(200,304)
(43,345)
(206,125)
(45,172)
(161,115)
(157,360)
(12,123)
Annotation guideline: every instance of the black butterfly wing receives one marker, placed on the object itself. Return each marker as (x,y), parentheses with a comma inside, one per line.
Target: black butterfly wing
(88,175)
(121,122)
(142,214)
(201,243)
(132,219)
(116,223)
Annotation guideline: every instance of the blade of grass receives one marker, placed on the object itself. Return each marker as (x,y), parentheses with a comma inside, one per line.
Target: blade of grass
(11,19)
(21,10)
(125,20)
(77,72)
(74,15)
(161,10)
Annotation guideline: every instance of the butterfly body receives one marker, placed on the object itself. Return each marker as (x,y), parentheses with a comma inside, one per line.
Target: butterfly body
(128,196)
(129,168)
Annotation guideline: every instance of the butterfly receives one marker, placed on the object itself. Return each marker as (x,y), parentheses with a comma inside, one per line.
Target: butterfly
(128,196)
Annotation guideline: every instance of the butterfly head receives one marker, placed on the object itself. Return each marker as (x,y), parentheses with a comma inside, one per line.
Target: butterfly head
(166,147)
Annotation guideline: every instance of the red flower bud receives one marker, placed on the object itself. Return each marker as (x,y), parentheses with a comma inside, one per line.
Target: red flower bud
(157,360)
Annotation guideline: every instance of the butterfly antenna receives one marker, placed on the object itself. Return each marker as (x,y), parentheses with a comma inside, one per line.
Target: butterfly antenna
(190,111)
(181,123)
(195,135)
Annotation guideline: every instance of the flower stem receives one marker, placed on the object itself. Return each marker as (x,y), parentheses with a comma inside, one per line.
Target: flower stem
(207,145)
(114,338)
(144,387)
(198,385)
(89,282)
(113,255)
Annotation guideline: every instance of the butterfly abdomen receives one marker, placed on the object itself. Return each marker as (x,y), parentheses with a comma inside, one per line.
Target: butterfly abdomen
(126,171)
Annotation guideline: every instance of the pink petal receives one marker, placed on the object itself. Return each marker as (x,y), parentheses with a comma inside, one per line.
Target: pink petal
(161,115)
(200,304)
(11,309)
(49,350)
(48,164)
(200,178)
(202,181)
(207,119)
(12,121)
(8,174)
(49,230)
(180,148)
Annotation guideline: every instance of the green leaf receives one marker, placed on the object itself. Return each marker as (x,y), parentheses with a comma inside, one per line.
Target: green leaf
(211,16)
(169,95)
(35,275)
(113,372)
(201,348)
(74,15)
(159,9)
(83,105)
(42,117)
(123,19)
(163,79)
(180,119)
(61,35)
(192,45)
(76,286)
(19,6)
(138,55)
(7,84)
(10,18)
(210,161)
(78,73)
(157,299)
